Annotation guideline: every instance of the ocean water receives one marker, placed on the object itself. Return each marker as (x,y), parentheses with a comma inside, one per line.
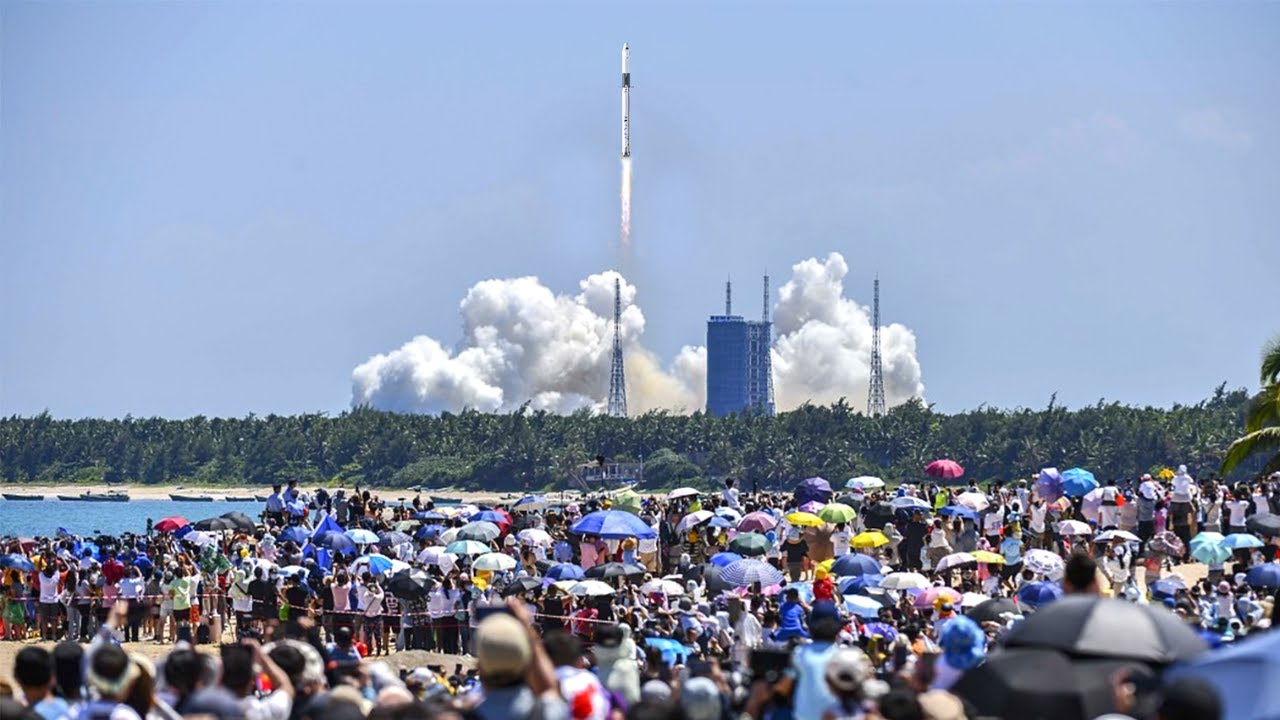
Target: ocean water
(44,517)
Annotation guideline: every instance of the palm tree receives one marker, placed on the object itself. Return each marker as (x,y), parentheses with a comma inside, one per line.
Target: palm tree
(1262,424)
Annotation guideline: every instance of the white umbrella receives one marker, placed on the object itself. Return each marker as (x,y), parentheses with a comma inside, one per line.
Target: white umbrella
(534,536)
(449,535)
(908,502)
(1073,528)
(694,518)
(975,501)
(955,560)
(1042,562)
(972,600)
(664,587)
(1125,535)
(729,513)
(905,581)
(200,538)
(592,587)
(682,492)
(496,562)
(864,482)
(435,555)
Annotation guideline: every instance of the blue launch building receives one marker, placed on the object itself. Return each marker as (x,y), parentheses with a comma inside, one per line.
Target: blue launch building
(739,362)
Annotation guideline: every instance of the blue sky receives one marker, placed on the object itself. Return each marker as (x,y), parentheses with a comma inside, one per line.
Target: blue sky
(222,208)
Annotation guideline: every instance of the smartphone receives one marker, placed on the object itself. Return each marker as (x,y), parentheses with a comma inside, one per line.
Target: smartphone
(769,665)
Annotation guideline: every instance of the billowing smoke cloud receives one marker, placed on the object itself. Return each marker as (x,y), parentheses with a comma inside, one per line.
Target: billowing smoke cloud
(523,343)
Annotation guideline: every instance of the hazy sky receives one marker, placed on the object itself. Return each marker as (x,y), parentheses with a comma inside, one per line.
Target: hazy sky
(222,208)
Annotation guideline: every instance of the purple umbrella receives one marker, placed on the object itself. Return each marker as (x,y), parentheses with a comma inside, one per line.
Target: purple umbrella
(1049,484)
(814,488)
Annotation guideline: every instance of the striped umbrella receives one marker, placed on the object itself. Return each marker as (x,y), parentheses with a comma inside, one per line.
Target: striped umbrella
(744,573)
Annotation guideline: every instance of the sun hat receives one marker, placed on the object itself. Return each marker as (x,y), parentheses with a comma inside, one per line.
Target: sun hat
(848,669)
(964,644)
(502,649)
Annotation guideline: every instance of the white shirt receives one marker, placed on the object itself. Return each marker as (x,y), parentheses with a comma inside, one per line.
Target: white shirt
(840,539)
(730,496)
(993,521)
(275,706)
(1261,506)
(1237,509)
(1037,518)
(371,601)
(1183,487)
(48,587)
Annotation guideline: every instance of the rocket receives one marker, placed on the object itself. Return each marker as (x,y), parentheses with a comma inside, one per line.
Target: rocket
(626,101)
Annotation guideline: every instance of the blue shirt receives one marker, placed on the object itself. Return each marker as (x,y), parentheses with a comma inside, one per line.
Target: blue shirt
(1011,548)
(791,623)
(809,663)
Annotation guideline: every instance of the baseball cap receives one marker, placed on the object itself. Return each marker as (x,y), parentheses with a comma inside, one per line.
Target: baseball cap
(502,649)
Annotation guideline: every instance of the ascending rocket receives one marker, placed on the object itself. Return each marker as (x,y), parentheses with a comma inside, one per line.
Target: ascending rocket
(626,101)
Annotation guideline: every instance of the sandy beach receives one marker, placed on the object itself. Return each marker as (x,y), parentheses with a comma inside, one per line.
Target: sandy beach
(162,492)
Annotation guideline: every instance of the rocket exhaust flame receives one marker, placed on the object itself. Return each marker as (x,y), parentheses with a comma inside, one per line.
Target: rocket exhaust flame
(625,232)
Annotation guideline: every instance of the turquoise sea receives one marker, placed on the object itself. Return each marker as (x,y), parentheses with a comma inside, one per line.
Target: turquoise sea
(44,517)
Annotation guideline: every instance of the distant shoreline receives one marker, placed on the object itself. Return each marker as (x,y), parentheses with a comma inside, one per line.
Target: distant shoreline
(162,492)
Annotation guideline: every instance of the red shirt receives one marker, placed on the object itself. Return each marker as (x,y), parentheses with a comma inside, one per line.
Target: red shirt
(112,571)
(824,590)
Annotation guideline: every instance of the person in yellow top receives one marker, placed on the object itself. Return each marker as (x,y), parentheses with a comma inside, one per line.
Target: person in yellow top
(940,499)
(180,594)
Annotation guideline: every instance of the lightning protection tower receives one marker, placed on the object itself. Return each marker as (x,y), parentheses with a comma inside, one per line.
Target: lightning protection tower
(875,392)
(617,377)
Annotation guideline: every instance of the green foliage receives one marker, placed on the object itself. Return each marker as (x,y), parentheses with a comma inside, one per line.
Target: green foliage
(527,450)
(1262,420)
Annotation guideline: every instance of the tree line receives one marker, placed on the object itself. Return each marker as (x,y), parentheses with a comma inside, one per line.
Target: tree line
(530,449)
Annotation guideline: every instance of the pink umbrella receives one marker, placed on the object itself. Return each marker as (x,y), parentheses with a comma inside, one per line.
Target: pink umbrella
(758,522)
(945,469)
(929,595)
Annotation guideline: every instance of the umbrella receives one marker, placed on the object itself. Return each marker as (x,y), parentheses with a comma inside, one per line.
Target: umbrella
(437,556)
(865,482)
(294,534)
(1108,535)
(565,571)
(449,535)
(682,493)
(534,536)
(495,562)
(988,557)
(743,573)
(945,469)
(613,524)
(813,506)
(993,610)
(411,583)
(17,562)
(905,581)
(1038,594)
(531,502)
(1077,482)
(478,530)
(1266,575)
(804,519)
(862,606)
(611,570)
(908,502)
(1167,587)
(971,600)
(869,539)
(1049,484)
(214,524)
(751,544)
(394,537)
(1238,541)
(360,536)
(1207,537)
(975,501)
(854,564)
(673,651)
(378,563)
(1074,528)
(758,522)
(1266,525)
(958,511)
(170,524)
(427,532)
(694,519)
(1244,674)
(1042,562)
(724,558)
(860,583)
(628,501)
(662,587)
(467,547)
(291,570)
(934,593)
(1169,543)
(1039,683)
(1209,550)
(1106,627)
(729,513)
(429,515)
(955,560)
(242,521)
(591,588)
(336,541)
(522,585)
(814,488)
(497,517)
(836,513)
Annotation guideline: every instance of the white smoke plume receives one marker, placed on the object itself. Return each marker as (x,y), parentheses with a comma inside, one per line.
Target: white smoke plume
(522,343)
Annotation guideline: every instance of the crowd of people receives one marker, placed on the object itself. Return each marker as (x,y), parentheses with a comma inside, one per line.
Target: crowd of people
(860,602)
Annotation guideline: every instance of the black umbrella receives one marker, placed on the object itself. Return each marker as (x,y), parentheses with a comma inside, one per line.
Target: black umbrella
(1041,684)
(242,521)
(411,583)
(615,569)
(991,610)
(711,575)
(1105,627)
(521,585)
(1266,525)
(214,523)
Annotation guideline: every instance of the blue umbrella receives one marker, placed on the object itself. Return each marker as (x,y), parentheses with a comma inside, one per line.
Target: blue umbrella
(615,524)
(724,558)
(1077,482)
(1266,575)
(1038,594)
(531,502)
(855,564)
(428,515)
(1167,587)
(1244,675)
(17,562)
(862,606)
(294,533)
(565,571)
(492,516)
(335,541)
(884,630)
(1237,541)
(804,588)
(362,536)
(861,582)
(959,511)
(428,531)
(720,521)
(378,563)
(673,653)
(746,572)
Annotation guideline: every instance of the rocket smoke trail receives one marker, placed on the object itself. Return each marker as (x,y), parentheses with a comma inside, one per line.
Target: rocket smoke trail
(624,234)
